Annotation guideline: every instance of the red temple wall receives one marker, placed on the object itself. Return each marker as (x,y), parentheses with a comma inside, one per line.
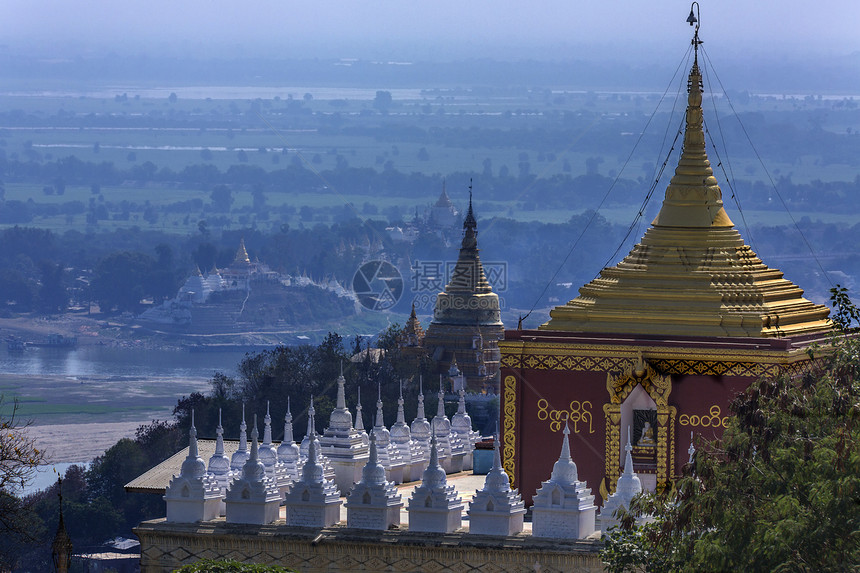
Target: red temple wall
(545,397)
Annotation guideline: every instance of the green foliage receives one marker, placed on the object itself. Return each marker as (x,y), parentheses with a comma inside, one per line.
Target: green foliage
(779,492)
(230,566)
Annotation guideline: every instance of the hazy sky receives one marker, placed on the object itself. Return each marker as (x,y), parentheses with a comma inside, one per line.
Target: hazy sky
(426,29)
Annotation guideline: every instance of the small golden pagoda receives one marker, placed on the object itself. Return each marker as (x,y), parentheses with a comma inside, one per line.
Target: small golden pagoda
(657,346)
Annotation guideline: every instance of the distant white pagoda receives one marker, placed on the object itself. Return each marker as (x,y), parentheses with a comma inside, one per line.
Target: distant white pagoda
(435,506)
(497,509)
(192,495)
(252,497)
(374,502)
(563,506)
(342,444)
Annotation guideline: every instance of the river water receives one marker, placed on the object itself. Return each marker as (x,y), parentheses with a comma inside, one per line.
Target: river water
(82,401)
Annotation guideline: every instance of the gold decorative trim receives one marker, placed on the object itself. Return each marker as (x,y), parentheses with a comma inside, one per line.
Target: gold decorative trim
(613,444)
(658,387)
(679,367)
(509,442)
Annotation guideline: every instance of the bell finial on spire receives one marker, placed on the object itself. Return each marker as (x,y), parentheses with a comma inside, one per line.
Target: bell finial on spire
(469,223)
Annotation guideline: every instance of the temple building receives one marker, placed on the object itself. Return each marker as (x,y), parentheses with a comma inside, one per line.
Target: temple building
(467,322)
(660,342)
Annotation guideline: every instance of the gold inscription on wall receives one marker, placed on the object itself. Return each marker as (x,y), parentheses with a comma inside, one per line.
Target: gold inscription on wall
(712,420)
(578,415)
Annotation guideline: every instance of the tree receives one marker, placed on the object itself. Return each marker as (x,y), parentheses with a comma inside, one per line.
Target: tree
(222,198)
(120,280)
(19,459)
(382,101)
(53,297)
(779,491)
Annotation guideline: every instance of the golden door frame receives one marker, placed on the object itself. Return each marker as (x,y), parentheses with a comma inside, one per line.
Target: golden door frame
(658,387)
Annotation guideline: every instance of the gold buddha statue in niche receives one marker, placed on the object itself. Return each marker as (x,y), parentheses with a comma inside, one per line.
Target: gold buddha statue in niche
(646,439)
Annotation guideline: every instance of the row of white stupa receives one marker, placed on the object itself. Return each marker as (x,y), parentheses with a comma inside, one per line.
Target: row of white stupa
(563,506)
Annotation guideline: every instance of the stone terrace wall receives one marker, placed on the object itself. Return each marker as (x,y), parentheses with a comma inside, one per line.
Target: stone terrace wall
(166,546)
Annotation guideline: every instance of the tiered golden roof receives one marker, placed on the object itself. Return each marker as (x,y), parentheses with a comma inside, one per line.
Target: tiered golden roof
(242,257)
(692,273)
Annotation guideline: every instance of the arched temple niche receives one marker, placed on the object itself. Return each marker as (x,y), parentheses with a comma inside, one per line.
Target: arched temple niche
(639,384)
(639,418)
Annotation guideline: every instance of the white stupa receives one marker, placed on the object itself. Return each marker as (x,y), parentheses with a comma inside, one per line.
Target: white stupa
(192,495)
(219,464)
(401,438)
(563,506)
(328,470)
(268,454)
(253,497)
(627,488)
(313,501)
(440,427)
(435,506)
(461,425)
(342,444)
(359,420)
(374,502)
(420,430)
(458,381)
(240,456)
(389,455)
(497,509)
(288,452)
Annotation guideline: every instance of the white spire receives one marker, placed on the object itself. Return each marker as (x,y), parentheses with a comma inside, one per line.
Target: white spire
(193,465)
(219,439)
(267,428)
(440,407)
(373,472)
(254,469)
(401,416)
(341,391)
(240,456)
(421,415)
(628,459)
(691,450)
(359,419)
(564,470)
(434,475)
(380,422)
(288,424)
(243,432)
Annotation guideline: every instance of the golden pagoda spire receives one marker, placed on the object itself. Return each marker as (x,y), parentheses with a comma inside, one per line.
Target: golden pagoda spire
(468,275)
(693,198)
(691,273)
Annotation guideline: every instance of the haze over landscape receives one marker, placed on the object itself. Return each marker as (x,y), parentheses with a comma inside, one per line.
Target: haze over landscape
(144,146)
